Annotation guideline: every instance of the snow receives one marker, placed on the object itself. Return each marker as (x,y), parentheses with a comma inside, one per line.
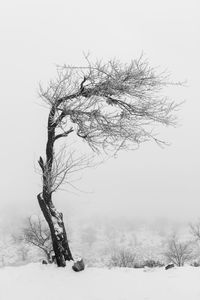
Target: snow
(47,282)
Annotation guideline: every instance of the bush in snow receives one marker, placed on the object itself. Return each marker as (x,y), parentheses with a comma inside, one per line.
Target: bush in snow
(122,258)
(152,263)
(195,264)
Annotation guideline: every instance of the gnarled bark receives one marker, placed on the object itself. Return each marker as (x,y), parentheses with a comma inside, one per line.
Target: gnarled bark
(58,232)
(53,217)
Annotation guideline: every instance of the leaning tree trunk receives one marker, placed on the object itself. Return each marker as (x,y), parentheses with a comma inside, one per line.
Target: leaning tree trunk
(58,232)
(52,216)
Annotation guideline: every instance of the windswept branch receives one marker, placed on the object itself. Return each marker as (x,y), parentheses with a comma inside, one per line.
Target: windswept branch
(112,106)
(66,165)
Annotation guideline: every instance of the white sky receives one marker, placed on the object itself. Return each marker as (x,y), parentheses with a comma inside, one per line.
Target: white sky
(37,35)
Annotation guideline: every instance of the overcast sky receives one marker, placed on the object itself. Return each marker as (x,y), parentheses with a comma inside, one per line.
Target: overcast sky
(37,35)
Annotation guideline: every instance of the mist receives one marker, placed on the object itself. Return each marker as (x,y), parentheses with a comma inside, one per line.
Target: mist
(148,183)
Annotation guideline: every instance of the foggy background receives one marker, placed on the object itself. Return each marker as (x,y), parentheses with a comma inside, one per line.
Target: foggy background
(147,184)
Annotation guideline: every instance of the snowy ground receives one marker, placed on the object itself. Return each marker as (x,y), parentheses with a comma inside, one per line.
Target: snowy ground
(41,282)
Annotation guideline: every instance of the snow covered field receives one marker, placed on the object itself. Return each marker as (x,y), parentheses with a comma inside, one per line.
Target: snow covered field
(41,282)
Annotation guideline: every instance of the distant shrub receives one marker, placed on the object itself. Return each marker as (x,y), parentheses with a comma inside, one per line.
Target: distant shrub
(127,259)
(195,264)
(138,265)
(150,263)
(122,258)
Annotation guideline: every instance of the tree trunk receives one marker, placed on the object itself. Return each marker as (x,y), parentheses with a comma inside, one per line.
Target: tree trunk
(58,232)
(52,216)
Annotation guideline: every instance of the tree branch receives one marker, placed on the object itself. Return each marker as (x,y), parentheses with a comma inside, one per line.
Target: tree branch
(41,163)
(66,133)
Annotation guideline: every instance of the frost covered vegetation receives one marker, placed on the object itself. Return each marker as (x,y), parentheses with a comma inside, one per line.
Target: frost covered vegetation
(125,260)
(113,243)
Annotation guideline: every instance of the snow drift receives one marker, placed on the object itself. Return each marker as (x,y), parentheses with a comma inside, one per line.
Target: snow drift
(47,282)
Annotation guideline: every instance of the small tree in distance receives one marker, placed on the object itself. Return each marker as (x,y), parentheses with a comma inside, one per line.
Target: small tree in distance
(36,233)
(110,107)
(178,252)
(195,230)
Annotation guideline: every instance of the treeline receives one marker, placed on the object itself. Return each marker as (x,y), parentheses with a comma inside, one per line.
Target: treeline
(114,243)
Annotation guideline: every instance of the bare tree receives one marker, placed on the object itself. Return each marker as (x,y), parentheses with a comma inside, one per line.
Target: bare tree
(110,107)
(123,259)
(195,230)
(36,233)
(178,252)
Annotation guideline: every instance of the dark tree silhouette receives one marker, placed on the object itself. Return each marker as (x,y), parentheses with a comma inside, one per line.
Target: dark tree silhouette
(109,106)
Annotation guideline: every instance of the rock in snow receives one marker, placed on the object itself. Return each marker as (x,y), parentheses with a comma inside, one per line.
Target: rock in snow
(169,266)
(78,265)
